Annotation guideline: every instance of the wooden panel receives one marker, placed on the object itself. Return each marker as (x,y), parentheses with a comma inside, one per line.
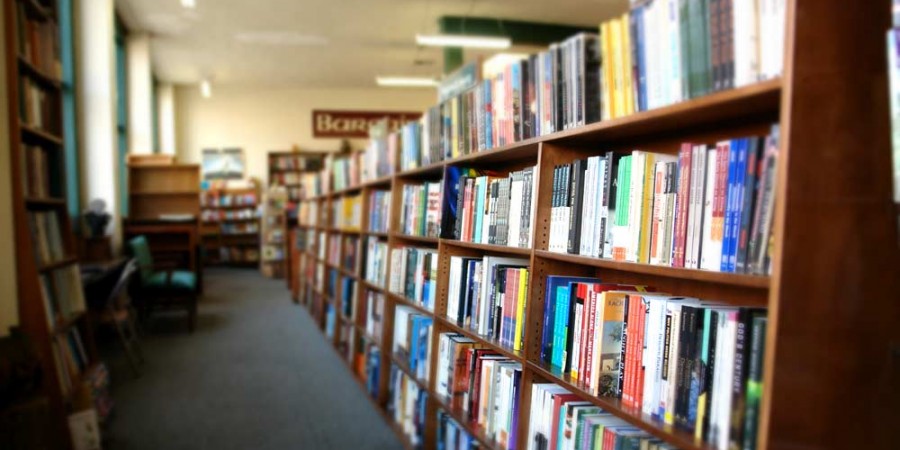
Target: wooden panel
(830,369)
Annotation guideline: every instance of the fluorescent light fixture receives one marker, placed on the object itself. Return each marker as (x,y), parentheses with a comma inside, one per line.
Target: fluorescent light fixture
(406,82)
(457,40)
(189,3)
(206,89)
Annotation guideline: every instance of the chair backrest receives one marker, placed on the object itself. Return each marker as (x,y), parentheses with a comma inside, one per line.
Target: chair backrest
(122,283)
(140,250)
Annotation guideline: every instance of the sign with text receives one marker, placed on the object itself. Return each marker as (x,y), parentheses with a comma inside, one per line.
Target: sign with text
(355,124)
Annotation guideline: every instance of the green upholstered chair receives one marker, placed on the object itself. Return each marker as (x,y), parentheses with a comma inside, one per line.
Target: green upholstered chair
(169,288)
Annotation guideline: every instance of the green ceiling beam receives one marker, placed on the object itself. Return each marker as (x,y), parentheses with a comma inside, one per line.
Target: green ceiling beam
(521,33)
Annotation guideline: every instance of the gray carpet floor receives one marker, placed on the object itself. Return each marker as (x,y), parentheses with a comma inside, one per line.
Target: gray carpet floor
(256,374)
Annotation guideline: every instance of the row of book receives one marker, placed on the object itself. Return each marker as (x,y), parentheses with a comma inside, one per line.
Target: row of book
(239,228)
(488,296)
(665,51)
(345,171)
(379,211)
(306,179)
(412,340)
(224,215)
(374,314)
(239,254)
(417,147)
(414,274)
(38,43)
(380,157)
(62,293)
(295,162)
(690,363)
(333,255)
(710,207)
(38,172)
(308,213)
(36,107)
(372,369)
(330,320)
(46,237)
(420,213)
(560,420)
(214,199)
(480,384)
(407,405)
(350,253)
(376,261)
(493,208)
(452,436)
(347,213)
(349,294)
(71,359)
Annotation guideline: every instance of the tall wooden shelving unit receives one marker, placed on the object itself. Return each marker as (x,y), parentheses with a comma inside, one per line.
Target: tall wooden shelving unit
(47,138)
(832,364)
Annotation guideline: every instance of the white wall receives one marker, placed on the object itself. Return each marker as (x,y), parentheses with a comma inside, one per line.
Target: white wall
(9,297)
(140,94)
(260,120)
(165,93)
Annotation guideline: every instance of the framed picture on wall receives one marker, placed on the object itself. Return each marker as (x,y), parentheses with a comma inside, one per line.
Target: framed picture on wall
(223,164)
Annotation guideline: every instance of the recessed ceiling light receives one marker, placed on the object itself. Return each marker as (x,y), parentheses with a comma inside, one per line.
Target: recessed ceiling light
(406,82)
(456,40)
(189,3)
(279,38)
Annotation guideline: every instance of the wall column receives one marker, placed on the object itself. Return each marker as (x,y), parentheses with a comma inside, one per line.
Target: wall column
(165,94)
(140,94)
(95,48)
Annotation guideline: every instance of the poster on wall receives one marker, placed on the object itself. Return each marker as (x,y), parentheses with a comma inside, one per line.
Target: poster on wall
(223,164)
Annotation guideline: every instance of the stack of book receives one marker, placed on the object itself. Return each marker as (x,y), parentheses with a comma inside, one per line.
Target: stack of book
(690,363)
(71,359)
(376,261)
(37,42)
(488,296)
(494,208)
(412,340)
(710,207)
(420,213)
(407,405)
(414,274)
(560,420)
(480,384)
(347,213)
(374,314)
(37,173)
(452,436)
(63,294)
(345,172)
(47,238)
(379,211)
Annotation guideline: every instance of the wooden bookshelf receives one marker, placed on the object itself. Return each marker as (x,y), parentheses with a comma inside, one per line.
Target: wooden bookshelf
(835,275)
(43,321)
(287,167)
(230,226)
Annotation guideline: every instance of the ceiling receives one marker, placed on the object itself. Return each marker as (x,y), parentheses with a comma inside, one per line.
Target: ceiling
(320,43)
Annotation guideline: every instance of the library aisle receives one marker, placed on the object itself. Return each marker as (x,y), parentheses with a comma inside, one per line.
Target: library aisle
(255,374)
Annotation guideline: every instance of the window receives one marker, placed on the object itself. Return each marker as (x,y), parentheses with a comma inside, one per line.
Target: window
(122,116)
(70,130)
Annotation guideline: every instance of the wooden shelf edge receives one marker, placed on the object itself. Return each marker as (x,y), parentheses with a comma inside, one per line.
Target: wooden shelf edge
(410,237)
(680,438)
(40,134)
(490,343)
(488,247)
(722,278)
(66,261)
(407,302)
(37,74)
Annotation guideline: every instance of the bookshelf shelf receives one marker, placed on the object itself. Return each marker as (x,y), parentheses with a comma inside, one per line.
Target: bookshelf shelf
(404,367)
(413,238)
(815,196)
(58,264)
(407,302)
(680,438)
(378,182)
(36,74)
(31,133)
(721,278)
(165,193)
(37,10)
(44,203)
(503,249)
